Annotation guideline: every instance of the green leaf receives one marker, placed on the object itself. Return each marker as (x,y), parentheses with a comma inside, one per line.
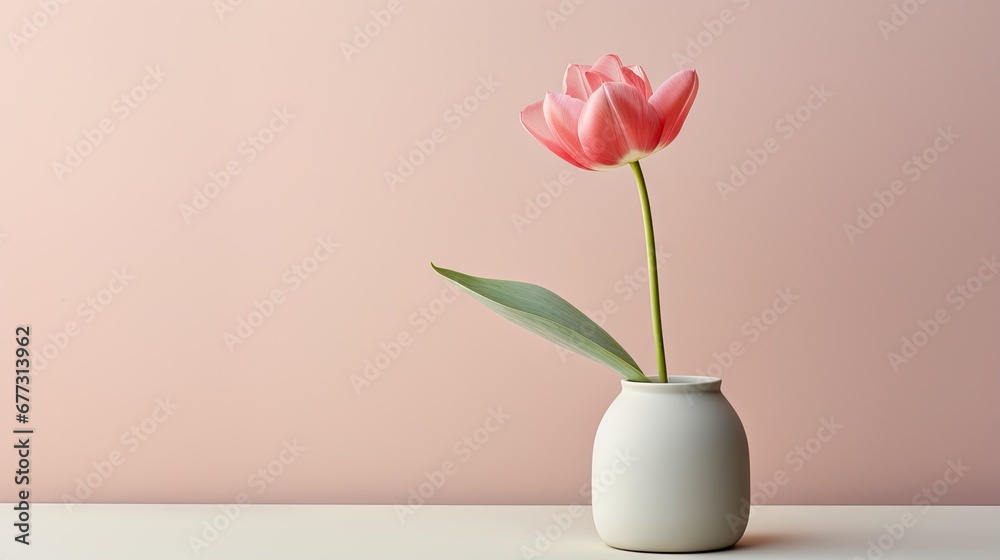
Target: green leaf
(550,316)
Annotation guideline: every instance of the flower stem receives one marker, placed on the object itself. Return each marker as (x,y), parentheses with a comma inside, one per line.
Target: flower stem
(654,281)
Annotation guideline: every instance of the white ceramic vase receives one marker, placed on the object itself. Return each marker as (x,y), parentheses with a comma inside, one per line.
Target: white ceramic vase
(671,469)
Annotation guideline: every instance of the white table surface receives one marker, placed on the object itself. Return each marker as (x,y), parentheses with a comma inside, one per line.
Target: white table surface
(278,532)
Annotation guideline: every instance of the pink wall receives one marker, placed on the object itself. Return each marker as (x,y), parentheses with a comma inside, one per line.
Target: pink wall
(152,290)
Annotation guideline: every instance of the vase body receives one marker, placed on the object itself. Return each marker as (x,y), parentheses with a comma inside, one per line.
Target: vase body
(671,470)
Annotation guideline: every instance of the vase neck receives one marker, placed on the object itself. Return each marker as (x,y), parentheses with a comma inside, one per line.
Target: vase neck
(677,384)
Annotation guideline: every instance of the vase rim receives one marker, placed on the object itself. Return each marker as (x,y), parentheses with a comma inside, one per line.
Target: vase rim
(676,384)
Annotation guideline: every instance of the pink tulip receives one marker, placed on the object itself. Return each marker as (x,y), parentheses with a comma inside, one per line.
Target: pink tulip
(608,114)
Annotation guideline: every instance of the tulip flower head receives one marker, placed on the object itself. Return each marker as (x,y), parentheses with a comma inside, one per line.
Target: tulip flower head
(608,114)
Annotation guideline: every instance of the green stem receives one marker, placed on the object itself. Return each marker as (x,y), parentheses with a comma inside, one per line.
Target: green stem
(654,281)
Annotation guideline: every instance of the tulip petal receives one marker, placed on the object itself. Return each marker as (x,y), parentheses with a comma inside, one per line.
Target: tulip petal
(533,120)
(575,82)
(618,126)
(596,80)
(609,65)
(636,76)
(672,101)
(562,115)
